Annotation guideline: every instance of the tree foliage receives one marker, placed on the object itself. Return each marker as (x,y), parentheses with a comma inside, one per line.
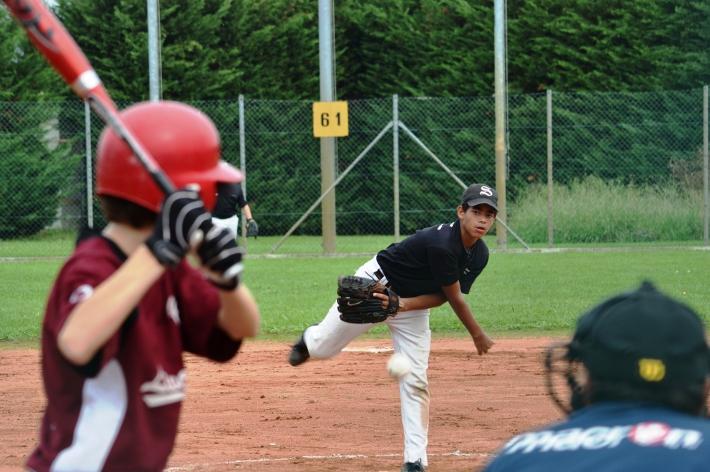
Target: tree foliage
(35,169)
(606,45)
(277,42)
(214,49)
(113,34)
(24,75)
(427,47)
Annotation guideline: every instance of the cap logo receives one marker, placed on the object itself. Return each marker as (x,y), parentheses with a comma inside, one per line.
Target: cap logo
(486,190)
(652,370)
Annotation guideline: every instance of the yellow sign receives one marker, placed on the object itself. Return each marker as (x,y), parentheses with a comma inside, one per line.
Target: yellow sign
(330,119)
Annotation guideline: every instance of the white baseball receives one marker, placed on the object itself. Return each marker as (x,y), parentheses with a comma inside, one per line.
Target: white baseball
(398,365)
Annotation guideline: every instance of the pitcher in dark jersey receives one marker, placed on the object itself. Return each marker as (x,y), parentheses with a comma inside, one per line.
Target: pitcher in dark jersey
(638,366)
(435,265)
(126,305)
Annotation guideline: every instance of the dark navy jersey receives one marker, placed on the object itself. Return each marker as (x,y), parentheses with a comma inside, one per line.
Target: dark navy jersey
(229,198)
(430,259)
(610,437)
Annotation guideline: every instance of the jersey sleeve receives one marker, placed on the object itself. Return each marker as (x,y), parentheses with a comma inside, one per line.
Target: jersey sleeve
(76,283)
(444,268)
(239,195)
(199,308)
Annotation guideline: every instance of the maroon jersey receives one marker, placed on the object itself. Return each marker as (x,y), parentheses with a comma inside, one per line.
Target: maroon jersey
(120,411)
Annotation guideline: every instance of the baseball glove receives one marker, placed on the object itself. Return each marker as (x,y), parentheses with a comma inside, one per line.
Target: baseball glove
(356,303)
(252,228)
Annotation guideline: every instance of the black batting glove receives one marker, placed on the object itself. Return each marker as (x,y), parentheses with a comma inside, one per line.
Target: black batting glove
(181,218)
(252,228)
(222,257)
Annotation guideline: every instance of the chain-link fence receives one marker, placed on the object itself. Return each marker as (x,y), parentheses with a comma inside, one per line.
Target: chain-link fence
(562,146)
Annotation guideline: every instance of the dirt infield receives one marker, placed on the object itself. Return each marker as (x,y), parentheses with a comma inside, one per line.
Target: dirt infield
(257,413)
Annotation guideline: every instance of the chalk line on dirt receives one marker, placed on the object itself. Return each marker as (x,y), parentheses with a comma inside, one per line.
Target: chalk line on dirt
(188,467)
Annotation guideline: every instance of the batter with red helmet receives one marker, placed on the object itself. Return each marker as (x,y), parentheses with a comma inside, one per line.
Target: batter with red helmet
(126,305)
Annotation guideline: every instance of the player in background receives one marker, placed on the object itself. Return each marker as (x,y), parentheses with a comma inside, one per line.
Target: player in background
(230,198)
(638,367)
(435,265)
(126,304)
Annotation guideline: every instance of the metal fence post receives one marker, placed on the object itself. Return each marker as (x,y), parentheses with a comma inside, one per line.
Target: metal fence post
(89,166)
(326,53)
(501,97)
(153,20)
(706,193)
(242,163)
(550,222)
(395,162)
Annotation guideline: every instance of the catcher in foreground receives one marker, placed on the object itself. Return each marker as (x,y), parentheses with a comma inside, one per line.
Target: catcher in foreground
(638,372)
(398,287)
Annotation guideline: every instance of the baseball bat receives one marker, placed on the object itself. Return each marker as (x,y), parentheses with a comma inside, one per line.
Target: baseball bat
(55,43)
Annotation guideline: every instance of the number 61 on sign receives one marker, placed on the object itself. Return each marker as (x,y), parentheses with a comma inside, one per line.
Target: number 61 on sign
(330,119)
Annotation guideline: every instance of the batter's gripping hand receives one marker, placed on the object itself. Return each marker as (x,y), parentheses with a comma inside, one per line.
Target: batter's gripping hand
(357,304)
(180,219)
(252,228)
(222,257)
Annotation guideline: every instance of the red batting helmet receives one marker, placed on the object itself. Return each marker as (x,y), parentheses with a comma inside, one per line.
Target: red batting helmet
(183,141)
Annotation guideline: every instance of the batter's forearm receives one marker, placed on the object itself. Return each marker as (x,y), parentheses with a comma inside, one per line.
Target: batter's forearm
(239,316)
(97,318)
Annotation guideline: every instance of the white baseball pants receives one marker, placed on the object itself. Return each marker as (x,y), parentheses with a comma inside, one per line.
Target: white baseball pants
(231,223)
(411,336)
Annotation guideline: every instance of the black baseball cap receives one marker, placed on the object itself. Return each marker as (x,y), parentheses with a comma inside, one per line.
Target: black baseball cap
(478,194)
(643,338)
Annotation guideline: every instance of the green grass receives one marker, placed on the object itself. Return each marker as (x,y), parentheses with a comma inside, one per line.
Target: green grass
(532,293)
(520,292)
(313,245)
(539,292)
(24,288)
(45,244)
(60,244)
(599,211)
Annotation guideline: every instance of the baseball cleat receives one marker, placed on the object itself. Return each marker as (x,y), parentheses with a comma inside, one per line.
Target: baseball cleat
(299,353)
(413,466)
